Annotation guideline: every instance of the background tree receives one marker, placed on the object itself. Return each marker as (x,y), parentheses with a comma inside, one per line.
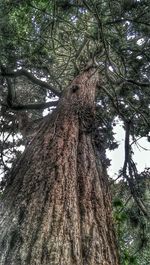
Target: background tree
(45,44)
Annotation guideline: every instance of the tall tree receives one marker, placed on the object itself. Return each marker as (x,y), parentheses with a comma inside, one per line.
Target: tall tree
(58,204)
(94,56)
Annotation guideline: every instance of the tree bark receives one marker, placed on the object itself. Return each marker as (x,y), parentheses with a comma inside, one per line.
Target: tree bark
(56,208)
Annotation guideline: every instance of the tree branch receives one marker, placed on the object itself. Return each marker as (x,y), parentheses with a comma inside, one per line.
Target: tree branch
(132,170)
(37,106)
(11,90)
(32,78)
(126,19)
(137,83)
(126,147)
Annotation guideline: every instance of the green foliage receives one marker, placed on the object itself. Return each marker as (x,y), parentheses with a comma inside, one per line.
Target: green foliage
(133,228)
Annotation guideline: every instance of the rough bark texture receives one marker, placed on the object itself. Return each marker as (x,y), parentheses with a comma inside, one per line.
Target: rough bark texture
(56,209)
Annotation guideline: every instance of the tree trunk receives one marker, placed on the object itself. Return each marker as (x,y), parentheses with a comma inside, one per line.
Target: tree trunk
(56,209)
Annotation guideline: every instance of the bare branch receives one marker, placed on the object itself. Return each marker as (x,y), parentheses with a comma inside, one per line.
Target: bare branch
(37,106)
(132,171)
(126,147)
(137,83)
(32,78)
(11,90)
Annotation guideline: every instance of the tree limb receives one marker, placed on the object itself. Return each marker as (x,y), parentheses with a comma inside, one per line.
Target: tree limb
(11,93)
(32,78)
(126,147)
(37,106)
(132,170)
(11,90)
(137,83)
(126,19)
